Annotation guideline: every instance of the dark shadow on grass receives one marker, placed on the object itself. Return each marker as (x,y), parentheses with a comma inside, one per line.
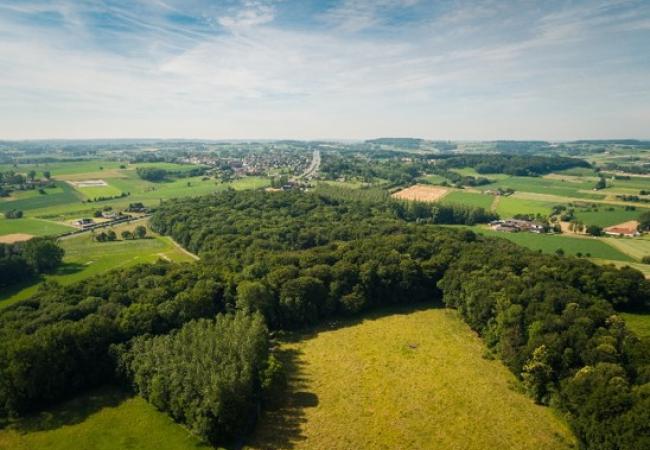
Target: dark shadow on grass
(10,291)
(69,268)
(72,411)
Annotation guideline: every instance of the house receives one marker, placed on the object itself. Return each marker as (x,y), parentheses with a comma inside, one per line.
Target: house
(515,225)
(109,214)
(84,223)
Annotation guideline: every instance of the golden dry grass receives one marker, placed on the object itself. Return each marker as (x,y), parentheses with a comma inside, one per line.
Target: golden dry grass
(412,380)
(15,237)
(421,192)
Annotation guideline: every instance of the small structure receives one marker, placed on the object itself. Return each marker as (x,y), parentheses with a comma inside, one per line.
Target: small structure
(625,229)
(84,224)
(516,225)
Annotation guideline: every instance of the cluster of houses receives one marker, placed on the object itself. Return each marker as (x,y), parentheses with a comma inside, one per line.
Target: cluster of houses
(516,225)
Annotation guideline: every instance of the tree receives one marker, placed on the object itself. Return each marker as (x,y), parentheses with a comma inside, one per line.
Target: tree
(31,174)
(644,221)
(47,174)
(253,296)
(140,232)
(537,375)
(43,255)
(111,236)
(594,230)
(601,184)
(126,235)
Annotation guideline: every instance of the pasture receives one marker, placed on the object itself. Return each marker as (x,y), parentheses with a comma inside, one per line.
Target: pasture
(36,227)
(637,248)
(61,168)
(64,195)
(402,379)
(548,243)
(85,257)
(570,189)
(104,419)
(511,206)
(470,199)
(604,215)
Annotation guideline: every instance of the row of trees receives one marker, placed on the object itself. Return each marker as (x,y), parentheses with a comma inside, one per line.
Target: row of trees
(511,164)
(140,232)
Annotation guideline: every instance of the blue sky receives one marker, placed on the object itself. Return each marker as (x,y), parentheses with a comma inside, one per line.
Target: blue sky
(448,69)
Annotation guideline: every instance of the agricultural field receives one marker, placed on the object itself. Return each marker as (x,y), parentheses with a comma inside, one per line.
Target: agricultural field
(85,257)
(61,168)
(390,381)
(637,248)
(422,193)
(64,195)
(35,227)
(591,247)
(470,199)
(105,419)
(605,216)
(510,206)
(563,188)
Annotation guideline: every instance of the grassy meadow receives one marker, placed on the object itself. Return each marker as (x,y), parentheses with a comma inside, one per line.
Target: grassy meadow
(605,216)
(36,227)
(105,419)
(638,323)
(595,248)
(403,379)
(469,198)
(85,257)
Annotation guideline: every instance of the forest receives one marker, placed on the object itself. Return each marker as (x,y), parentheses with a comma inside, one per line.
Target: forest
(23,260)
(517,165)
(286,260)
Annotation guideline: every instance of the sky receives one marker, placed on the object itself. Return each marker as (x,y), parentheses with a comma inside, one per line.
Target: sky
(346,69)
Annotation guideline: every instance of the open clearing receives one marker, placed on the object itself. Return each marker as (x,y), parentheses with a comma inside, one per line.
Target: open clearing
(411,379)
(422,193)
(15,237)
(469,199)
(639,323)
(106,419)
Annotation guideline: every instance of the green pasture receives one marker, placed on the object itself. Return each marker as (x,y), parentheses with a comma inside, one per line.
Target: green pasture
(85,257)
(61,168)
(549,243)
(63,195)
(36,227)
(637,248)
(547,186)
(634,184)
(105,419)
(469,199)
(398,379)
(471,172)
(605,216)
(93,192)
(432,179)
(510,206)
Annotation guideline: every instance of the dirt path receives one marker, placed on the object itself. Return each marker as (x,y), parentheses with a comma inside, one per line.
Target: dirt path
(187,252)
(495,203)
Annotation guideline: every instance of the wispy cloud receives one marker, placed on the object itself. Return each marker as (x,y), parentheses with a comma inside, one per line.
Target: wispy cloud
(262,68)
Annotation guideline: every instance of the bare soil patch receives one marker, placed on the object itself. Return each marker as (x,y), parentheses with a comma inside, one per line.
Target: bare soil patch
(88,183)
(422,193)
(15,237)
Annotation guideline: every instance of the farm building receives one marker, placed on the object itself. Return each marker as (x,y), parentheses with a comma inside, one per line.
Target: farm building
(515,225)
(83,223)
(627,229)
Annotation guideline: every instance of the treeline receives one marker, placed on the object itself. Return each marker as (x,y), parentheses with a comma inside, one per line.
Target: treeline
(24,260)
(297,259)
(518,165)
(158,174)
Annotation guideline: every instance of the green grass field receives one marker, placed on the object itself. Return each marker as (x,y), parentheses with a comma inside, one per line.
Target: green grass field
(510,206)
(58,169)
(639,323)
(65,195)
(469,198)
(105,419)
(36,227)
(85,257)
(94,192)
(637,248)
(596,248)
(408,379)
(603,217)
(547,186)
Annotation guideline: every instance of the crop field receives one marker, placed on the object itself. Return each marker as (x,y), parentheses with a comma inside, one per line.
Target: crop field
(34,227)
(64,195)
(469,198)
(421,192)
(571,189)
(592,247)
(105,419)
(85,257)
(432,179)
(471,172)
(510,206)
(391,381)
(605,216)
(637,248)
(93,192)
(60,168)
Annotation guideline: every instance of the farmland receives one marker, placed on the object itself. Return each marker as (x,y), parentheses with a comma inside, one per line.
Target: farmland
(469,198)
(36,227)
(355,372)
(85,257)
(421,192)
